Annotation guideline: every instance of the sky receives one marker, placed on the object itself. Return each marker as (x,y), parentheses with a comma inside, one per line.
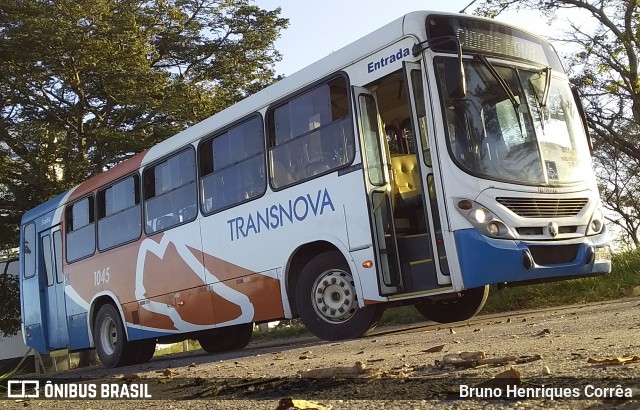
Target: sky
(319,27)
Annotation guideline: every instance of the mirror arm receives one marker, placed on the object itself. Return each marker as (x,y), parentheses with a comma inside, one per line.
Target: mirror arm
(430,43)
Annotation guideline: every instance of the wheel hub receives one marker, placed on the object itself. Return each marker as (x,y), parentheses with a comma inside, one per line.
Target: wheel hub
(334,296)
(108,336)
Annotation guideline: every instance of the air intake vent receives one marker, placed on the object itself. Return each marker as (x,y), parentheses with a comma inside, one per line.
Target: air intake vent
(543,207)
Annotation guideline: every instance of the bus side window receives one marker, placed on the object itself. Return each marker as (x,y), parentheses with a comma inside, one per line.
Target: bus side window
(119,218)
(170,191)
(311,134)
(80,235)
(232,166)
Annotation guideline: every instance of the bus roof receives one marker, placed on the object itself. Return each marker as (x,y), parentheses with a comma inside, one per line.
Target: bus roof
(43,208)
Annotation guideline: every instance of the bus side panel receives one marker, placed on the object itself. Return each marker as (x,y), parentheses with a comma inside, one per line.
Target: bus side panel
(246,245)
(32,317)
(261,289)
(78,330)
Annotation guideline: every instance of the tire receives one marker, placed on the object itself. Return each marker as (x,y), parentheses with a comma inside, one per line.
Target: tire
(464,307)
(110,339)
(144,350)
(227,339)
(327,301)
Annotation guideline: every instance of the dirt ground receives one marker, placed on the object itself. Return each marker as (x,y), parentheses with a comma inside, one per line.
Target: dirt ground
(521,360)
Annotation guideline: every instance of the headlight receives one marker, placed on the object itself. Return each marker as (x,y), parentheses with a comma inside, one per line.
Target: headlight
(483,219)
(596,224)
(480,215)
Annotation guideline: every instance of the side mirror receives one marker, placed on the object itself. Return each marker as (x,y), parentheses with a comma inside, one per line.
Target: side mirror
(583,117)
(455,80)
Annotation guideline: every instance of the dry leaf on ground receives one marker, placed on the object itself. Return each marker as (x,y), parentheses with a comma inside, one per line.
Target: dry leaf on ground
(616,360)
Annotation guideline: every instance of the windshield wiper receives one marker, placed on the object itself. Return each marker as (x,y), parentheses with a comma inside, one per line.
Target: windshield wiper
(547,86)
(541,100)
(501,81)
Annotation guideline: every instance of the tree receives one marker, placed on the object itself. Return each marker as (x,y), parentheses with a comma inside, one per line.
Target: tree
(9,305)
(85,84)
(619,179)
(603,65)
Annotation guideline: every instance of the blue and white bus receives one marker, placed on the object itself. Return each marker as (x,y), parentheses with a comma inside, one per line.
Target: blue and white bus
(434,157)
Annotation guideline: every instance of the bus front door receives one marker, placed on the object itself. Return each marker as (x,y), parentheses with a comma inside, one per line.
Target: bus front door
(437,265)
(379,193)
(401,184)
(50,266)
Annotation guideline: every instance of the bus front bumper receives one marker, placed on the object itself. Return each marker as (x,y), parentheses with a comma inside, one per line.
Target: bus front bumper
(487,261)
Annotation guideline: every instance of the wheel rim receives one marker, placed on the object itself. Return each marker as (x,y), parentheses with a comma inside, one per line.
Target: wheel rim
(333,296)
(108,336)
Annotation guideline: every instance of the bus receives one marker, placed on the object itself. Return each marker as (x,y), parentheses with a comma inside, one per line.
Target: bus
(436,156)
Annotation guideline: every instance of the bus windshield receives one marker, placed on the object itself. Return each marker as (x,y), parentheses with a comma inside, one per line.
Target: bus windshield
(525,130)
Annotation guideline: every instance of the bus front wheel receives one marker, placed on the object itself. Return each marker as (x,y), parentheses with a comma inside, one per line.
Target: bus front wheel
(228,338)
(110,339)
(464,307)
(327,301)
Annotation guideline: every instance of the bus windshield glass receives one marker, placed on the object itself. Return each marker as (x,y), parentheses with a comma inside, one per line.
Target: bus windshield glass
(515,125)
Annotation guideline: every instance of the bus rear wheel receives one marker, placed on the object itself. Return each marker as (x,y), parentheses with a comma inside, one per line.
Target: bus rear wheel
(327,301)
(110,339)
(143,351)
(464,307)
(225,339)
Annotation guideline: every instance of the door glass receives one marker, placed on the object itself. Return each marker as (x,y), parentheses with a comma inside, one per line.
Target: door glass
(28,251)
(371,137)
(418,94)
(46,256)
(57,247)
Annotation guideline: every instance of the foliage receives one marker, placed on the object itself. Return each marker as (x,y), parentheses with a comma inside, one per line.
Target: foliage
(9,305)
(85,84)
(619,178)
(604,66)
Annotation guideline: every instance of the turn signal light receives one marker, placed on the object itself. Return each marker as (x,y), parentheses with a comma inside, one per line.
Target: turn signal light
(367,264)
(465,205)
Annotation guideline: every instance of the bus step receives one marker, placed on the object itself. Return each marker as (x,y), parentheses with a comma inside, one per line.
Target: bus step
(419,275)
(414,248)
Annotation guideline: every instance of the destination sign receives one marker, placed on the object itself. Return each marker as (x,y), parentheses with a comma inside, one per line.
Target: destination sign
(498,43)
(489,37)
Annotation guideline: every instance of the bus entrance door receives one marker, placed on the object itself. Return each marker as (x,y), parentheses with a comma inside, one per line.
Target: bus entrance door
(379,193)
(400,182)
(54,281)
(435,269)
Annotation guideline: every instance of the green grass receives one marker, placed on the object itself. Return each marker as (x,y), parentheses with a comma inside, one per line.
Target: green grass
(178,348)
(284,330)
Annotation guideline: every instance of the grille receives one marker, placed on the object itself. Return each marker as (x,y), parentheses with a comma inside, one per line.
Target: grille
(554,255)
(544,207)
